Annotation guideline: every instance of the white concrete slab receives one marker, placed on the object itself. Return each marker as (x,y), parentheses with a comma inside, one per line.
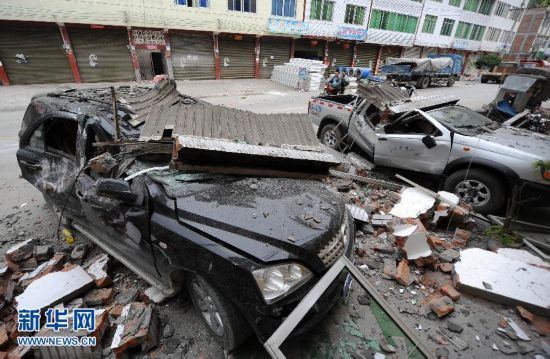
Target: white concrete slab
(496,277)
(54,288)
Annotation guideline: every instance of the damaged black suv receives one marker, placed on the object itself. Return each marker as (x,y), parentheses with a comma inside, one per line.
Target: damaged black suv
(248,248)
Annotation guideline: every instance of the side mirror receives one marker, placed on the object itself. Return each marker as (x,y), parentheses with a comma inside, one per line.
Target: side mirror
(429,141)
(115,188)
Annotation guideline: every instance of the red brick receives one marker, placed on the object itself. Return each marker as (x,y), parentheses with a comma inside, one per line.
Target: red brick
(462,234)
(98,296)
(458,242)
(446,267)
(525,314)
(403,272)
(450,292)
(442,306)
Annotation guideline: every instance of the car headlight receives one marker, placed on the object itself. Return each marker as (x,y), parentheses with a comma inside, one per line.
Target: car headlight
(280,280)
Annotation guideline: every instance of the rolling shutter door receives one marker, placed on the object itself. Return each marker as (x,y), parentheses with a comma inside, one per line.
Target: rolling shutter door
(413,52)
(313,52)
(273,51)
(389,51)
(237,57)
(192,57)
(34,54)
(342,55)
(366,55)
(102,55)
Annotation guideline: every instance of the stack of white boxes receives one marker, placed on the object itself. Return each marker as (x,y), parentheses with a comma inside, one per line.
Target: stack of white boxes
(289,74)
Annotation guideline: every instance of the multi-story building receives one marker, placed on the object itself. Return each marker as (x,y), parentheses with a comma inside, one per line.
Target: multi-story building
(532,35)
(90,41)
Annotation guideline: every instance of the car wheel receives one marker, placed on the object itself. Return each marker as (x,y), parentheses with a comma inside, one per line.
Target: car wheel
(221,317)
(485,192)
(331,135)
(424,82)
(451,82)
(484,80)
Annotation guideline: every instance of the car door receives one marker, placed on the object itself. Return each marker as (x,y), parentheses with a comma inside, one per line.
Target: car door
(414,142)
(47,157)
(361,129)
(121,224)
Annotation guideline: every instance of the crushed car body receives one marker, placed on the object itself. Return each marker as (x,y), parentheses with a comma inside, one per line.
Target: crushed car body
(475,157)
(249,241)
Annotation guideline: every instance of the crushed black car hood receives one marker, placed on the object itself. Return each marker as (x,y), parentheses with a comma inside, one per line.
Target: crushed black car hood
(270,219)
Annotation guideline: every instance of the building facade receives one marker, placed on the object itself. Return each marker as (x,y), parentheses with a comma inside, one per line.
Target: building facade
(91,41)
(532,36)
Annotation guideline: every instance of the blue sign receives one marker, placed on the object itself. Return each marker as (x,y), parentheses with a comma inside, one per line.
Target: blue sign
(352,33)
(286,26)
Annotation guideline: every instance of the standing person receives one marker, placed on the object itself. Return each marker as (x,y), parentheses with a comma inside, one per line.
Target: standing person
(334,83)
(344,83)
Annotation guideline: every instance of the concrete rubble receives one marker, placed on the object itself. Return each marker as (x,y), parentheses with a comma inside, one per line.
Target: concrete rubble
(415,243)
(123,320)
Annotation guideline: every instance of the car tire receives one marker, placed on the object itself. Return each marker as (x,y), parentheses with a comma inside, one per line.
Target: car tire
(484,80)
(226,323)
(451,82)
(424,82)
(482,189)
(331,135)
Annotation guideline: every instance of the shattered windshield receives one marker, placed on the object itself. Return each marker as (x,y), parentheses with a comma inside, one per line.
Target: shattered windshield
(461,119)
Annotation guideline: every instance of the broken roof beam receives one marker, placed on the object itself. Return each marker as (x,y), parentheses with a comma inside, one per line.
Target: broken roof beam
(223,156)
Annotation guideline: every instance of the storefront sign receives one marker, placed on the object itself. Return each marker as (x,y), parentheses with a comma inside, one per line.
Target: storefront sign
(286,26)
(352,33)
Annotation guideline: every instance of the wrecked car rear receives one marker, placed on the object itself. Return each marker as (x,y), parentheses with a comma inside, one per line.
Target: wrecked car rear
(193,195)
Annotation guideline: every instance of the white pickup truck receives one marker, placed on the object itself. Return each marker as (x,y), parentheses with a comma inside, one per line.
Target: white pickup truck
(476,158)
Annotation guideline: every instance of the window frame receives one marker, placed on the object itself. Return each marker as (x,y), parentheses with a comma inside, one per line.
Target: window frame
(48,150)
(471,5)
(195,3)
(283,8)
(430,22)
(353,8)
(447,21)
(392,21)
(253,7)
(322,8)
(456,3)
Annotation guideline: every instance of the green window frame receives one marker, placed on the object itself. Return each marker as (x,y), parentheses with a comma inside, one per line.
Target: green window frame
(354,14)
(477,32)
(471,5)
(455,3)
(429,24)
(321,10)
(385,20)
(447,27)
(485,7)
(463,30)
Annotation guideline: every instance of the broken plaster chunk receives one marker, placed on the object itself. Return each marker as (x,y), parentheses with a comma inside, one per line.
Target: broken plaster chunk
(358,213)
(42,253)
(416,246)
(413,203)
(97,268)
(54,288)
(510,280)
(138,326)
(20,251)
